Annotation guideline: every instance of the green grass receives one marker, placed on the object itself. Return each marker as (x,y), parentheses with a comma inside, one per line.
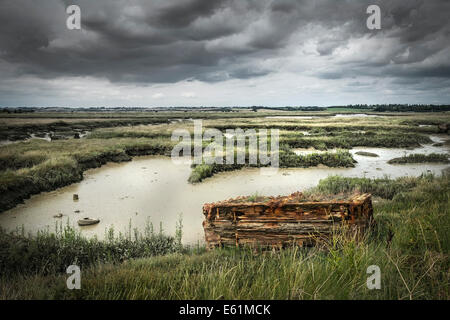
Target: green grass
(255,198)
(421,158)
(51,252)
(382,187)
(287,159)
(340,158)
(14,161)
(203,171)
(410,243)
(348,139)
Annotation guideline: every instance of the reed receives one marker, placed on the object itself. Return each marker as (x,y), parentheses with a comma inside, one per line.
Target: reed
(410,243)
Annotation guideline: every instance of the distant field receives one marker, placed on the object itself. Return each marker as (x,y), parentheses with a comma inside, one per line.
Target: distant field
(36,165)
(348,110)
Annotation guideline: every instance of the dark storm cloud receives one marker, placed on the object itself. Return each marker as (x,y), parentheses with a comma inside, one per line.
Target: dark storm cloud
(179,15)
(169,41)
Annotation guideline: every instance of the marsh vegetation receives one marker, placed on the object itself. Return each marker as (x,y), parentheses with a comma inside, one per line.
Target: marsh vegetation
(37,165)
(51,252)
(409,242)
(421,158)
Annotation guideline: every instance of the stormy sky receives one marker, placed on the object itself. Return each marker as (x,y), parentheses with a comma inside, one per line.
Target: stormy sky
(223,53)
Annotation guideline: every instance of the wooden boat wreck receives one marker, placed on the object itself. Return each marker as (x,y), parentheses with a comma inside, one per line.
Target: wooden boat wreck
(87,222)
(282,221)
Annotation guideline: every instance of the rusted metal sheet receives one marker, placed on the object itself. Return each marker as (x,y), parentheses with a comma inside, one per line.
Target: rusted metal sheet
(282,221)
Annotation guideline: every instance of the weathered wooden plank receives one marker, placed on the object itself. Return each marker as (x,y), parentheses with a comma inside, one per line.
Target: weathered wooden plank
(282,220)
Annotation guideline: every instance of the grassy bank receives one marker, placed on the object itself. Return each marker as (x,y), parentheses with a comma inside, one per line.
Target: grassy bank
(23,130)
(384,188)
(326,125)
(35,166)
(410,244)
(51,252)
(348,140)
(322,138)
(421,158)
(287,159)
(30,167)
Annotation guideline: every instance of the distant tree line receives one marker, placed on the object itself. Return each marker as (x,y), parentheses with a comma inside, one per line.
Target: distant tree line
(398,107)
(368,107)
(412,107)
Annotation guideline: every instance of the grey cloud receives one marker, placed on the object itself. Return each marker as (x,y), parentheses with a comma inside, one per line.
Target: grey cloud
(161,41)
(182,13)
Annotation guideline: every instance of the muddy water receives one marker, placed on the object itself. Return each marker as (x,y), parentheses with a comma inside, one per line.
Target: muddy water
(46,137)
(155,188)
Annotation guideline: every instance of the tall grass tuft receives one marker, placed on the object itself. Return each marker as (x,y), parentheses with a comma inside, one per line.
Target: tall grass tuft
(380,187)
(51,252)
